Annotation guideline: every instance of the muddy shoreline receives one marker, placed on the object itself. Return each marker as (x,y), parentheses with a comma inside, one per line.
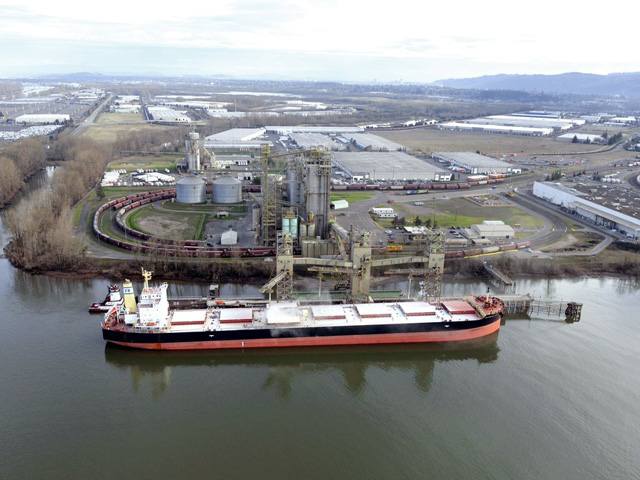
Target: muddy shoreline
(258,271)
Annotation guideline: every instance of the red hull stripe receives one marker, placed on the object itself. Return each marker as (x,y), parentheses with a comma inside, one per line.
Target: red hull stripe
(420,337)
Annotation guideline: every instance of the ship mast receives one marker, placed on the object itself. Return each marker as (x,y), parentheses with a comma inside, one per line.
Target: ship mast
(147,276)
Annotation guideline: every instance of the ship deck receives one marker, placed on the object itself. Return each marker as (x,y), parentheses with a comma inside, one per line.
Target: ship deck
(292,315)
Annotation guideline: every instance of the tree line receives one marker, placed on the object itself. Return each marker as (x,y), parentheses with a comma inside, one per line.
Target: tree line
(42,230)
(18,161)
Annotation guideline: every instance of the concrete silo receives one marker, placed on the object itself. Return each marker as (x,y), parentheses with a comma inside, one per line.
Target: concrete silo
(227,190)
(191,190)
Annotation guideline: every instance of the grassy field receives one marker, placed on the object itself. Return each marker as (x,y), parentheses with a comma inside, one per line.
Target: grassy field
(464,213)
(110,133)
(178,226)
(428,140)
(159,162)
(181,207)
(460,211)
(352,197)
(113,118)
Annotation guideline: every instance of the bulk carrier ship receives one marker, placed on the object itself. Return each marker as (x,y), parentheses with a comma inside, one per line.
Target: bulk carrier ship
(149,323)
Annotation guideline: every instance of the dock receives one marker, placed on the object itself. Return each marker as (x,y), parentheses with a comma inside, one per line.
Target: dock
(500,278)
(570,311)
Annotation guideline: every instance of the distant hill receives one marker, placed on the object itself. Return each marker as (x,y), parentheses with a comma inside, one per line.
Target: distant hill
(623,84)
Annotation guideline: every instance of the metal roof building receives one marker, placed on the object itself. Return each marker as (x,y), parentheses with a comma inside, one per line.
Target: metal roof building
(387,166)
(374,142)
(237,139)
(308,141)
(288,129)
(600,215)
(535,122)
(487,128)
(166,114)
(473,162)
(236,135)
(493,229)
(42,118)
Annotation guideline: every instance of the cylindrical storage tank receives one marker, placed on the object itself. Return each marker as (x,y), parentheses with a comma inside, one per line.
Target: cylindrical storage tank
(303,229)
(311,229)
(227,190)
(293,227)
(292,187)
(255,213)
(285,224)
(191,190)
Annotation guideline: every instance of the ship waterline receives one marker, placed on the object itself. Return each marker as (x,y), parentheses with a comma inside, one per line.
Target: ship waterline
(150,324)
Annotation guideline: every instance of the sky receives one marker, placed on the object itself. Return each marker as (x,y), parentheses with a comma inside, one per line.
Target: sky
(347,40)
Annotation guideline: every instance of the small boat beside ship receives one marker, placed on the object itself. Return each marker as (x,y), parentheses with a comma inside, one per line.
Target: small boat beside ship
(113,299)
(150,323)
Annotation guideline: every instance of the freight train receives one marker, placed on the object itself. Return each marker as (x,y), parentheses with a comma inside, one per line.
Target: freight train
(193,248)
(162,246)
(414,188)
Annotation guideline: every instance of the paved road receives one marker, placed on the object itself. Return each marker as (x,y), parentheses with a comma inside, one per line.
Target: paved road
(559,228)
(84,126)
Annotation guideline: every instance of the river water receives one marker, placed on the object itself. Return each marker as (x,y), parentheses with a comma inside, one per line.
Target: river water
(542,399)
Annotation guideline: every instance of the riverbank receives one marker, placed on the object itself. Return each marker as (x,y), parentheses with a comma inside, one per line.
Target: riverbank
(613,262)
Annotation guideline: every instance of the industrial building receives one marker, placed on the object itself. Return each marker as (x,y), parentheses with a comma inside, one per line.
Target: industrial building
(43,118)
(570,199)
(288,129)
(487,128)
(557,124)
(374,143)
(229,237)
(473,163)
(387,166)
(339,204)
(307,141)
(580,138)
(492,230)
(166,114)
(237,140)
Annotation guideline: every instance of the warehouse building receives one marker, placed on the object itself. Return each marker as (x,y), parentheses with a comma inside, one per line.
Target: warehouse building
(166,114)
(580,138)
(387,166)
(237,140)
(557,124)
(288,129)
(308,141)
(473,163)
(487,128)
(373,143)
(43,118)
(492,230)
(570,199)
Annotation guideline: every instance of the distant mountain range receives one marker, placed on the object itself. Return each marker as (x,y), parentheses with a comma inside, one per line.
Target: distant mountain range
(622,84)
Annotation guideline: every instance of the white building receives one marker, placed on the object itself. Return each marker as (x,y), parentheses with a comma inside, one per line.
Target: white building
(473,163)
(580,138)
(340,204)
(237,140)
(383,212)
(43,118)
(229,238)
(166,114)
(487,128)
(493,230)
(570,200)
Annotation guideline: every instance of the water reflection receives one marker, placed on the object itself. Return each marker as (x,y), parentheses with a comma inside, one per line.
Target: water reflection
(284,366)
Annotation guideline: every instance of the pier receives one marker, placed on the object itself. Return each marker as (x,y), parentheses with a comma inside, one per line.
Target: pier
(500,278)
(529,305)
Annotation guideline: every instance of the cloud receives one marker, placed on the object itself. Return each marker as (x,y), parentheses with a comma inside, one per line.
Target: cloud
(459,36)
